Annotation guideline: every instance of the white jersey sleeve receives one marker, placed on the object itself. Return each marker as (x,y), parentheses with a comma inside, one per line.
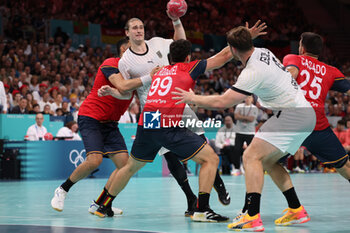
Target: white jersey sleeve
(123,69)
(247,83)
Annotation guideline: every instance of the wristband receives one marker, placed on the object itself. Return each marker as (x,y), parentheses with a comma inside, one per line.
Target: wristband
(177,22)
(147,79)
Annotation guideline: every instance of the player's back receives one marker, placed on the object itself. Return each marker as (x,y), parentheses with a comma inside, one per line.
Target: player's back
(315,78)
(266,77)
(164,82)
(106,107)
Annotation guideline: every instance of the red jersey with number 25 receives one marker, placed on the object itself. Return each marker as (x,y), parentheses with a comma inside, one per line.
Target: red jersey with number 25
(182,75)
(315,78)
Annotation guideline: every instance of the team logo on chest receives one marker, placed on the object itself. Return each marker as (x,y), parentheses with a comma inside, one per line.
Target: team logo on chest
(159,54)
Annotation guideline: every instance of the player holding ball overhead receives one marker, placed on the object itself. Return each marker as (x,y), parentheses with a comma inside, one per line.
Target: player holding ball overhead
(177,8)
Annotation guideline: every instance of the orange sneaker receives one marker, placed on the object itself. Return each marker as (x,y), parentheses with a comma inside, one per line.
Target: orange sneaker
(293,216)
(247,223)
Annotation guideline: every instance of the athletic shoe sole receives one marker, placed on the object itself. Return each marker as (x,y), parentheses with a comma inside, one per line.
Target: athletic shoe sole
(299,221)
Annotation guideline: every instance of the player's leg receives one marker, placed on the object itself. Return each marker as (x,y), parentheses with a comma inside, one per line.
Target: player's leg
(238,152)
(298,161)
(120,160)
(179,173)
(253,156)
(93,142)
(188,145)
(119,181)
(143,150)
(209,162)
(116,150)
(345,170)
(219,186)
(295,213)
(326,146)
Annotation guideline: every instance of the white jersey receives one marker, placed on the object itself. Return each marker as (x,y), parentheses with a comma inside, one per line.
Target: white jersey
(267,78)
(133,65)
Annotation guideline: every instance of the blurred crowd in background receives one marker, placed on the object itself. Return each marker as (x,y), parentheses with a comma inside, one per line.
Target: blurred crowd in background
(50,76)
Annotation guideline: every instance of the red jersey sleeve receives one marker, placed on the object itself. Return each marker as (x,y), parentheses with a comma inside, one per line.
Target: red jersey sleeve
(109,67)
(196,68)
(292,60)
(340,83)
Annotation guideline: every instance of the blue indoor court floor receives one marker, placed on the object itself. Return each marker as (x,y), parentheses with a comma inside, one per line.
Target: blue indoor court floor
(158,204)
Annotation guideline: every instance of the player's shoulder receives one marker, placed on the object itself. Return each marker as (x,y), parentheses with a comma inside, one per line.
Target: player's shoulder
(291,57)
(159,43)
(240,105)
(112,61)
(157,39)
(188,65)
(334,71)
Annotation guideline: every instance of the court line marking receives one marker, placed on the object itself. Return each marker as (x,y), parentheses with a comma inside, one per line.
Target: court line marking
(133,230)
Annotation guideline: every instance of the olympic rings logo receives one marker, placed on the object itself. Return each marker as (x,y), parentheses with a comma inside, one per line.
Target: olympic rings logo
(78,157)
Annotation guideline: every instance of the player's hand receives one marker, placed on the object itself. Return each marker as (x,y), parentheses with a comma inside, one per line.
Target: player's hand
(171,17)
(257,29)
(105,90)
(155,70)
(108,90)
(183,96)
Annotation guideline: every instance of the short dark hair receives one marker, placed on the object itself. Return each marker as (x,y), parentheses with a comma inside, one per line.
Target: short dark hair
(312,43)
(121,42)
(179,50)
(240,39)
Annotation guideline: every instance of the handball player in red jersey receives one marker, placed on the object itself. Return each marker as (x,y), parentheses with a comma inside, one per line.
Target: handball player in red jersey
(98,124)
(316,79)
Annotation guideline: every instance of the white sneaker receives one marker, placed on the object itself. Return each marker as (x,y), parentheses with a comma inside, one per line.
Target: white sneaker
(57,201)
(93,207)
(298,170)
(235,172)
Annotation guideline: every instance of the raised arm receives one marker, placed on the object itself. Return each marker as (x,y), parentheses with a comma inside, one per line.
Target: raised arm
(179,31)
(228,99)
(257,29)
(225,55)
(219,59)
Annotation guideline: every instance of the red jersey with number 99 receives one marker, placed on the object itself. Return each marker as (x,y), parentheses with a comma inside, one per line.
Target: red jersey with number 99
(315,78)
(182,75)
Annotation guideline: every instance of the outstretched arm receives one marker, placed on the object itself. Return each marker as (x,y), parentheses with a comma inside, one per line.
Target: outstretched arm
(179,31)
(108,90)
(257,29)
(126,85)
(225,55)
(228,99)
(219,59)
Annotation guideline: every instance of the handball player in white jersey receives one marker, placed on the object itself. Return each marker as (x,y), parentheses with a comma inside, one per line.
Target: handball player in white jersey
(143,56)
(283,133)
(138,61)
